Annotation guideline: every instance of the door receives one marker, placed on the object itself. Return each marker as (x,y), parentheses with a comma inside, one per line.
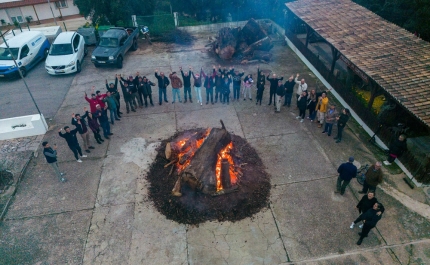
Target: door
(77,47)
(26,57)
(15,14)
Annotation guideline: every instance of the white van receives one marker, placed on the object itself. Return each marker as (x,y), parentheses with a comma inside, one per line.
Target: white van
(28,48)
(66,54)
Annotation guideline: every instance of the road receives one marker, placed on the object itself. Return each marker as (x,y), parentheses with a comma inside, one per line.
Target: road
(48,92)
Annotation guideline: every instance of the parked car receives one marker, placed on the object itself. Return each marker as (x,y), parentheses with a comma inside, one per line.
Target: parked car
(66,54)
(28,48)
(113,45)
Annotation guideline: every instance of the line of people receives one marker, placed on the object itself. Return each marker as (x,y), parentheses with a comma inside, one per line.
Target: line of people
(369,209)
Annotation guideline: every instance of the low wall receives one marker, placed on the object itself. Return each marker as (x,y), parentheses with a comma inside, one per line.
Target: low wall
(215,27)
(22,126)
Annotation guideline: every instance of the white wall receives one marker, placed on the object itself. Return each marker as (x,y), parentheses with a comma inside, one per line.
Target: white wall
(70,10)
(3,15)
(28,11)
(44,11)
(35,125)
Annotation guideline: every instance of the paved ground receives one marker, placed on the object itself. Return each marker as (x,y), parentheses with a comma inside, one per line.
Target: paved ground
(102,215)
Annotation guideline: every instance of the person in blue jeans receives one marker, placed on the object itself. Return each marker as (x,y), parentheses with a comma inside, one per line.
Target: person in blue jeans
(101,114)
(226,89)
(112,104)
(163,82)
(346,171)
(330,118)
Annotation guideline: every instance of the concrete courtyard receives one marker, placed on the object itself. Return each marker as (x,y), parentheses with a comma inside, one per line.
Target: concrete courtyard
(103,215)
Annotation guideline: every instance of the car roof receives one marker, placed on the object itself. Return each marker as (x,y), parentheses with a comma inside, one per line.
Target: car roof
(113,33)
(64,37)
(22,38)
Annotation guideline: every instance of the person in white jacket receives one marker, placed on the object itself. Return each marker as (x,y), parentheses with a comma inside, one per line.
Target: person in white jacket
(303,87)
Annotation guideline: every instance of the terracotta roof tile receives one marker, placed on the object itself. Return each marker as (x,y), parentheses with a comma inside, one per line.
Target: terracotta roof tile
(397,60)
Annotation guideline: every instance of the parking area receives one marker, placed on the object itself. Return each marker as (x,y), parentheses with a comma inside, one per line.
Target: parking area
(103,215)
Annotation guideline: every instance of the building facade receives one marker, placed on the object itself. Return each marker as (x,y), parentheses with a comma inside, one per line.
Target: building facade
(23,11)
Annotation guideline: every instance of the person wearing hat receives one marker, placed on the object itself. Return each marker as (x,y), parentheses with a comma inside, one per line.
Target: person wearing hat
(51,157)
(72,141)
(346,171)
(163,82)
(176,83)
(370,218)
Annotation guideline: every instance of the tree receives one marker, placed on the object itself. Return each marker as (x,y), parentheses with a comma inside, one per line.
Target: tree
(114,11)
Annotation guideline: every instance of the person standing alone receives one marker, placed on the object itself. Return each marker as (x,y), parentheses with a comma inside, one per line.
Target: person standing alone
(51,157)
(346,171)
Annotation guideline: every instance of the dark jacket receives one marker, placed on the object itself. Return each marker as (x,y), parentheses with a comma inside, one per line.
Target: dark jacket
(261,80)
(50,155)
(280,90)
(343,119)
(398,147)
(371,216)
(163,82)
(101,115)
(93,124)
(273,83)
(132,84)
(226,85)
(125,92)
(70,137)
(197,80)
(365,204)
(289,86)
(83,127)
(237,78)
(209,80)
(302,103)
(146,89)
(187,79)
(113,90)
(347,171)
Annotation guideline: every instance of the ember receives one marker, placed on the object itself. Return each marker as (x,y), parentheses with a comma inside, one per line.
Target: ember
(202,165)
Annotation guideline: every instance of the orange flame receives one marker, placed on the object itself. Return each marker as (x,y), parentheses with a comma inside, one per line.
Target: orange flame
(195,146)
(225,154)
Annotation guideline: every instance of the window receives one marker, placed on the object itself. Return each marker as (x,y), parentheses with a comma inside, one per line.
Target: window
(24,51)
(5,54)
(17,19)
(61,49)
(76,41)
(61,4)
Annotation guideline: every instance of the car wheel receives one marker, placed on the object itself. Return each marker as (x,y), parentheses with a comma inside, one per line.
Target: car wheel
(85,50)
(45,53)
(134,46)
(23,71)
(78,67)
(119,62)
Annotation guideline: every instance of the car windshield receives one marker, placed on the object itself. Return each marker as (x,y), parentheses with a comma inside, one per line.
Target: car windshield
(5,54)
(108,42)
(61,49)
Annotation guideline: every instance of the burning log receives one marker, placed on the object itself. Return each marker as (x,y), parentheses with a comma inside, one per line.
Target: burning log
(225,174)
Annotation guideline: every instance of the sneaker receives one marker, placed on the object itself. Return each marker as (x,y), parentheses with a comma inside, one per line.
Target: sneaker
(173,102)
(323,131)
(387,163)
(338,141)
(201,104)
(79,161)
(84,156)
(62,174)
(352,225)
(359,241)
(63,180)
(207,102)
(360,226)
(298,117)
(88,151)
(301,120)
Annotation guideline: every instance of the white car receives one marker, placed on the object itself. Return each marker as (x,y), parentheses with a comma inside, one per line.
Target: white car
(66,54)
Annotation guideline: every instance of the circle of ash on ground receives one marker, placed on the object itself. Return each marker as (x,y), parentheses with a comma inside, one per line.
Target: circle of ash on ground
(195,207)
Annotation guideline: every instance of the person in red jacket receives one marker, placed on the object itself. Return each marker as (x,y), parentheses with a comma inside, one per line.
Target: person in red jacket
(93,102)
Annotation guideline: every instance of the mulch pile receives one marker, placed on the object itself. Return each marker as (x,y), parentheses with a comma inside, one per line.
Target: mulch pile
(195,207)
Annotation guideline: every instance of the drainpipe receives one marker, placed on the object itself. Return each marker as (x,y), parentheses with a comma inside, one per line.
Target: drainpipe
(38,21)
(55,21)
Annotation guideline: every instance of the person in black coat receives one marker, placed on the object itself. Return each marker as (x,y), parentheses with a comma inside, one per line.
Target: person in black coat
(51,157)
(366,203)
(163,82)
(261,81)
(397,149)
(280,92)
(186,77)
(273,85)
(289,90)
(126,92)
(147,91)
(370,218)
(341,123)
(302,103)
(218,83)
(346,171)
(72,141)
(226,89)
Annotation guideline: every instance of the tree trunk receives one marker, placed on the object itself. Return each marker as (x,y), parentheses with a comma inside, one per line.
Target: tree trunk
(227,42)
(203,164)
(252,32)
(263,44)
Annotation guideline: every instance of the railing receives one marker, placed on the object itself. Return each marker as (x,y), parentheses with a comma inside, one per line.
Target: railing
(412,163)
